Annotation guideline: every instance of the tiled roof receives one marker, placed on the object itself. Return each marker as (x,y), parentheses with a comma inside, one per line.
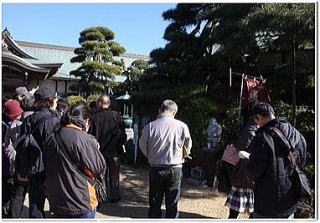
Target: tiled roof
(62,54)
(6,37)
(56,47)
(23,62)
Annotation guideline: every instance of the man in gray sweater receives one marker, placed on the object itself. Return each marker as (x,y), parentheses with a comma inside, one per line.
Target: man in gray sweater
(165,142)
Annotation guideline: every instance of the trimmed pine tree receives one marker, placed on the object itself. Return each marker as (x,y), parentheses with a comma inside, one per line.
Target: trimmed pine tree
(98,67)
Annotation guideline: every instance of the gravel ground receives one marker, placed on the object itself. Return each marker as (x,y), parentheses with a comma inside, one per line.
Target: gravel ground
(197,200)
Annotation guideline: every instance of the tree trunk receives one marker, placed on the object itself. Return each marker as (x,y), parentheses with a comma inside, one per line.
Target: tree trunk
(294,81)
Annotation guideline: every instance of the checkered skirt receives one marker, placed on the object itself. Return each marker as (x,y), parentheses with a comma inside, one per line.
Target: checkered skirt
(240,199)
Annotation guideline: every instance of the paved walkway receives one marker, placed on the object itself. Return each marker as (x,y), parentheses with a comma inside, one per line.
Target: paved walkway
(197,201)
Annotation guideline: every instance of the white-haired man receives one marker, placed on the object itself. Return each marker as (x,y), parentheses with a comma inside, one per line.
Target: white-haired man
(163,142)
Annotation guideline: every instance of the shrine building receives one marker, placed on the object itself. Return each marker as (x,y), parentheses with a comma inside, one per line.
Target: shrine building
(36,65)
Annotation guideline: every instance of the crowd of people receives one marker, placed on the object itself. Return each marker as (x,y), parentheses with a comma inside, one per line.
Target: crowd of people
(48,145)
(265,187)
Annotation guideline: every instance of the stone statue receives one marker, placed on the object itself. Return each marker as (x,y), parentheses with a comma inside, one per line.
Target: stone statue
(213,133)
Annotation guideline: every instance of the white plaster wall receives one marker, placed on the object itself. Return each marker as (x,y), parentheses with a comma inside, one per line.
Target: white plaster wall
(48,83)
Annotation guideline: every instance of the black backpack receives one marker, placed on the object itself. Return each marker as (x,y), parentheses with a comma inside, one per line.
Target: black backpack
(298,178)
(29,155)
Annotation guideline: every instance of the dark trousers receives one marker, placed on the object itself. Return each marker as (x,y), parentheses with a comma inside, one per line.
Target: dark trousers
(164,181)
(233,214)
(258,215)
(112,175)
(7,191)
(37,197)
(17,198)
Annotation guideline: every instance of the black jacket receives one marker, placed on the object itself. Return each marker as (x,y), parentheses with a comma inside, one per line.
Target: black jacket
(247,135)
(269,164)
(41,134)
(240,177)
(69,193)
(108,127)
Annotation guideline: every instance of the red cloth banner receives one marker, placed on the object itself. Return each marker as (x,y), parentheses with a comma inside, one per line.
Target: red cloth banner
(253,88)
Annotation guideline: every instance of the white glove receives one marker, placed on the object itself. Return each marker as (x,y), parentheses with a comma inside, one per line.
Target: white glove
(243,155)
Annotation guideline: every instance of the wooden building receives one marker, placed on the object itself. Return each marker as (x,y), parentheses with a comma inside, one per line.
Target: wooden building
(17,70)
(35,64)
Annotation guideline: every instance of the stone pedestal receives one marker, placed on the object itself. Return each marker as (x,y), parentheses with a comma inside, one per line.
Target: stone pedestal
(130,133)
(207,159)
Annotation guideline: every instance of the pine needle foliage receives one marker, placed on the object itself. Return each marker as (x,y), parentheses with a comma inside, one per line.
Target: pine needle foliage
(98,66)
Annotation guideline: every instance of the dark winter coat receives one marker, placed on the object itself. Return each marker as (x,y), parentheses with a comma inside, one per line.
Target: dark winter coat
(269,164)
(241,178)
(41,134)
(69,193)
(10,131)
(108,127)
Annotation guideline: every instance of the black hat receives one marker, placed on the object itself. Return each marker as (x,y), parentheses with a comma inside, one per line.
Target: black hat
(44,92)
(63,102)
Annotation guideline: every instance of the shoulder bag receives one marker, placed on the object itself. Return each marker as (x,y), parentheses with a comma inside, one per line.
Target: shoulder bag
(95,182)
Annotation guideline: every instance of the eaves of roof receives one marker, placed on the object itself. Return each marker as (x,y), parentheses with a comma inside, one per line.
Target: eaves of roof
(9,57)
(49,65)
(16,47)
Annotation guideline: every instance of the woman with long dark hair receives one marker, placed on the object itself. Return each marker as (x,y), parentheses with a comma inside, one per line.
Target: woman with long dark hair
(70,150)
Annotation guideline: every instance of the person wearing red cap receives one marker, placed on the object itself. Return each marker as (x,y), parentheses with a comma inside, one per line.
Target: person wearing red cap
(10,131)
(42,123)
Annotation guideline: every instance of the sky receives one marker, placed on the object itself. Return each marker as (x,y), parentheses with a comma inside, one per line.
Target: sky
(138,27)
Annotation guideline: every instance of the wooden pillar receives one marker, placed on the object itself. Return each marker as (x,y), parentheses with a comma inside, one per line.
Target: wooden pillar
(57,86)
(66,87)
(26,78)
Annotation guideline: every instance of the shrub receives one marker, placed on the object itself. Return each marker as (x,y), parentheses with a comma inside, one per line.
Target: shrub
(305,116)
(196,113)
(91,98)
(74,99)
(230,126)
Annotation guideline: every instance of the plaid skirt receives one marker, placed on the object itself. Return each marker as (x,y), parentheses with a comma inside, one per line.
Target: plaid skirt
(240,199)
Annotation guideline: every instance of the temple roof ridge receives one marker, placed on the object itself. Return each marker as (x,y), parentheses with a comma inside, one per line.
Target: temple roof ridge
(69,48)
(9,44)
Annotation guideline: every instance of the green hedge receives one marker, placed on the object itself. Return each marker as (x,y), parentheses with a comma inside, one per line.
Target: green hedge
(93,97)
(74,99)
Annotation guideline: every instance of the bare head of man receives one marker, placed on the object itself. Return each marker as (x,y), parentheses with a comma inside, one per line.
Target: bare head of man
(168,107)
(103,102)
